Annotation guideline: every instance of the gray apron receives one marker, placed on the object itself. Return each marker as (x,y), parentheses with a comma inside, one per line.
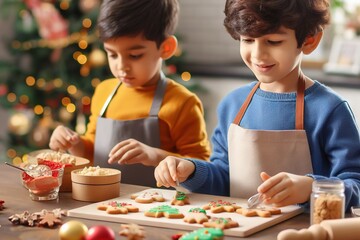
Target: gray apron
(254,151)
(110,132)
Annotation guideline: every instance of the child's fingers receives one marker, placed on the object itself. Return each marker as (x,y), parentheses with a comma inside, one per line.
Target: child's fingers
(59,145)
(123,145)
(264,176)
(163,178)
(70,135)
(268,182)
(172,167)
(164,173)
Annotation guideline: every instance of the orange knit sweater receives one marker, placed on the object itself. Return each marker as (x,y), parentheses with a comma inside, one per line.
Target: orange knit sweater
(182,124)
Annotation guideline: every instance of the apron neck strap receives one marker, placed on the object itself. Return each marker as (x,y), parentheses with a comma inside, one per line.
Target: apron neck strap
(300,99)
(300,94)
(159,95)
(106,104)
(245,105)
(155,107)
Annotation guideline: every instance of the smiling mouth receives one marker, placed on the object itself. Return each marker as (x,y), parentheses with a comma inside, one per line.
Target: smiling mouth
(264,68)
(125,79)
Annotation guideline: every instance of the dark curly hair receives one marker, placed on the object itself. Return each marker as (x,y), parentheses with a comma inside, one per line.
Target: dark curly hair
(156,19)
(255,18)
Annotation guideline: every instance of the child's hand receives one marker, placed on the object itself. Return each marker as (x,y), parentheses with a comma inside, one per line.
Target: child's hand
(285,189)
(131,151)
(172,170)
(62,139)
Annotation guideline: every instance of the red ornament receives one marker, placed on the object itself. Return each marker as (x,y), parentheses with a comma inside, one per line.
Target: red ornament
(86,109)
(20,106)
(52,25)
(53,102)
(2,204)
(171,69)
(100,233)
(3,89)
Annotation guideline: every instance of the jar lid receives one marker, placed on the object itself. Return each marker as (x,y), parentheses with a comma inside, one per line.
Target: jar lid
(328,185)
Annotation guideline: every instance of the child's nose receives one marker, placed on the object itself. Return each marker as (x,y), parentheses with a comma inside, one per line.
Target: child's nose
(125,69)
(258,51)
(122,66)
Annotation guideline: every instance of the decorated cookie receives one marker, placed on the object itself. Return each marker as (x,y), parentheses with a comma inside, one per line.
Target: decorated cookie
(196,215)
(132,231)
(222,223)
(164,211)
(221,206)
(115,207)
(261,212)
(148,196)
(204,234)
(180,199)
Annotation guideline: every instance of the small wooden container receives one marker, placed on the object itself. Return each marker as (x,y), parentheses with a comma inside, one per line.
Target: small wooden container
(96,188)
(80,164)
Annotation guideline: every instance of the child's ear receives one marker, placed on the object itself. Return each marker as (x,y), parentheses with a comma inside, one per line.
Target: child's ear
(168,47)
(312,42)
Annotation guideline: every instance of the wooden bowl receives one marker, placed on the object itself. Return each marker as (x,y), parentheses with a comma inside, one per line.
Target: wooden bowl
(66,183)
(96,188)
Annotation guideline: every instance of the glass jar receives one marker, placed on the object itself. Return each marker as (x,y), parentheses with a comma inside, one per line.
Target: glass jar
(327,200)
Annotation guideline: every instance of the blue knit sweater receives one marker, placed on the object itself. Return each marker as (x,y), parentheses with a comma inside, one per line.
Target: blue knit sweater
(332,133)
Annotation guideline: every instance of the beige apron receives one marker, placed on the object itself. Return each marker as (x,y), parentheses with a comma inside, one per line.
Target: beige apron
(254,151)
(110,132)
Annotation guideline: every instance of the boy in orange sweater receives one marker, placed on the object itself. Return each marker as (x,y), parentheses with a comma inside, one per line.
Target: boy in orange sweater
(139,117)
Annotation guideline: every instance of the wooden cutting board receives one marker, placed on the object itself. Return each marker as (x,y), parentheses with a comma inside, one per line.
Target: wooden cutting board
(248,225)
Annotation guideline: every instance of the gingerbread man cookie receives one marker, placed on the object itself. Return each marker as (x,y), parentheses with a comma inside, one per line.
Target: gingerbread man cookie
(115,207)
(164,211)
(180,199)
(221,206)
(148,196)
(196,215)
(261,212)
(222,223)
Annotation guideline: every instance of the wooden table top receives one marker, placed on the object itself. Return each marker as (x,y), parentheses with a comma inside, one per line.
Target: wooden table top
(17,200)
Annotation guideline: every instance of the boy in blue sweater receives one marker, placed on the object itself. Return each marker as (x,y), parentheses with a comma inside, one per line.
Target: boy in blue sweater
(277,135)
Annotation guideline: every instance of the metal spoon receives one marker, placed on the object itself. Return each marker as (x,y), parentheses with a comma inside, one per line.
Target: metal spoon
(34,170)
(11,165)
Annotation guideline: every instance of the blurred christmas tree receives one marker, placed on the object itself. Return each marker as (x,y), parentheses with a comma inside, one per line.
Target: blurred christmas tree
(57,61)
